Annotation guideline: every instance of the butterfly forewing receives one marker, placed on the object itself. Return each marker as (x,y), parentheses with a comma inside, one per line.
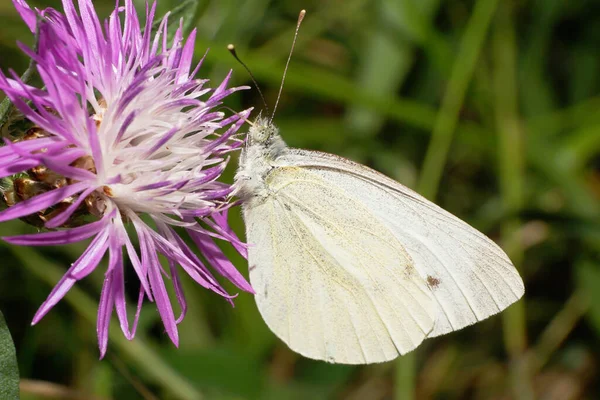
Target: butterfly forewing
(469,276)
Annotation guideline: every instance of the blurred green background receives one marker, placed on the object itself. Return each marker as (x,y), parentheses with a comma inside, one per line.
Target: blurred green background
(489,108)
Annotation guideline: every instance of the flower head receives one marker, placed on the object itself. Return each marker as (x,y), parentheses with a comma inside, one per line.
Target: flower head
(122,129)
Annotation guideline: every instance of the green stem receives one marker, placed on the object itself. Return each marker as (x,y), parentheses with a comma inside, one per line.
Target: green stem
(511,174)
(447,117)
(406,374)
(136,351)
(558,329)
(437,152)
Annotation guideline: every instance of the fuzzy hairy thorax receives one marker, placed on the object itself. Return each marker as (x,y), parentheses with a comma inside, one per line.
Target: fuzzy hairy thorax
(263,146)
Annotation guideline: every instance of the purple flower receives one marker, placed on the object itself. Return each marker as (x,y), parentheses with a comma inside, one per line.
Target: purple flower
(122,129)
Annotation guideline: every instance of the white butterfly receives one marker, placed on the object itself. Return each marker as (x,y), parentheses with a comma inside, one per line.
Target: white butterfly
(352,267)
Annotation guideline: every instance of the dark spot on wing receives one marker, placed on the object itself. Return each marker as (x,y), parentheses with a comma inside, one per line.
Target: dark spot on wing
(432,282)
(251,268)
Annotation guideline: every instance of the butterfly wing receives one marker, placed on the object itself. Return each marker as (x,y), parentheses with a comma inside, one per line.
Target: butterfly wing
(331,280)
(469,276)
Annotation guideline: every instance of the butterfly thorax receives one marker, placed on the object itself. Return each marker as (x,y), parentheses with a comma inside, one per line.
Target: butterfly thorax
(263,147)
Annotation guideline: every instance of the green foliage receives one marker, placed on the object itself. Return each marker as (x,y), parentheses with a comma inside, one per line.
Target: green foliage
(9,370)
(489,106)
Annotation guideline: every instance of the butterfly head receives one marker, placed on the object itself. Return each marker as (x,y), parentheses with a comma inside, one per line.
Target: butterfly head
(263,140)
(262,132)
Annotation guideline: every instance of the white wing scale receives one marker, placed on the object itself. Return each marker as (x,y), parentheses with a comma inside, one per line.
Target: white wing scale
(469,276)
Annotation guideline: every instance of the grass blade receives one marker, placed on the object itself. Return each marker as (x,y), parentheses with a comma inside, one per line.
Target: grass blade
(447,117)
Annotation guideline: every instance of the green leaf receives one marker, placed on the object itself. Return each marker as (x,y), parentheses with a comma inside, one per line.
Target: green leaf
(9,371)
(189,10)
(6,106)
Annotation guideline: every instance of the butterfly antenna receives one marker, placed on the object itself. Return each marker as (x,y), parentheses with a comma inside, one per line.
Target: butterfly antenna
(231,49)
(300,18)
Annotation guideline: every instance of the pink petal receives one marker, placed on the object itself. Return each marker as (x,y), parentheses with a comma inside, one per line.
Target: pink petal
(26,13)
(8,153)
(61,218)
(41,201)
(58,237)
(104,312)
(81,268)
(157,285)
(178,291)
(116,266)
(14,167)
(219,261)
